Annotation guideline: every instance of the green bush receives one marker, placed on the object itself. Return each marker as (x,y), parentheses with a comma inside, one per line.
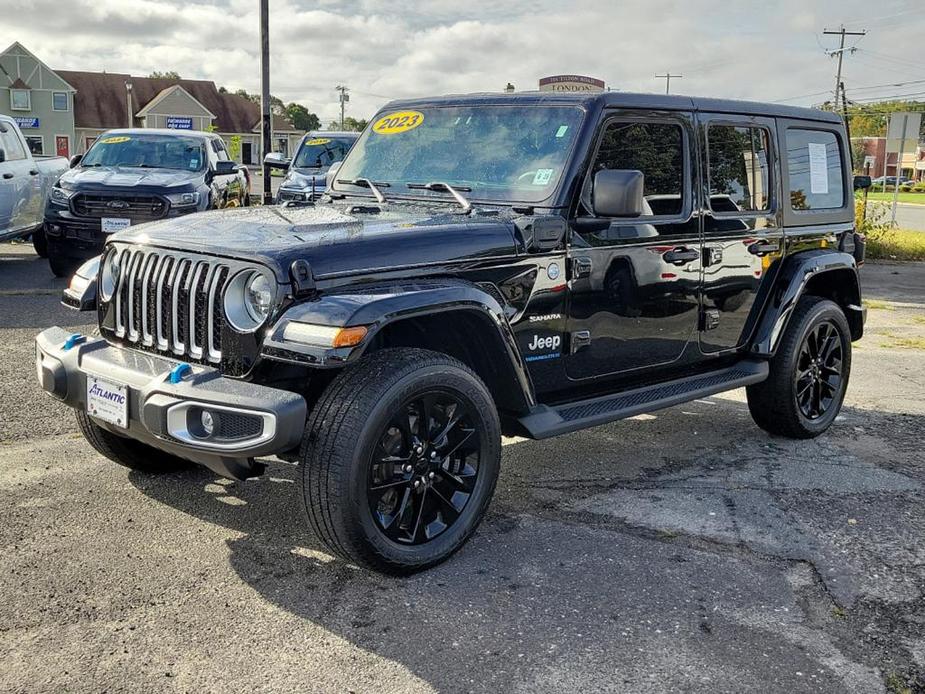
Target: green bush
(905,188)
(919,187)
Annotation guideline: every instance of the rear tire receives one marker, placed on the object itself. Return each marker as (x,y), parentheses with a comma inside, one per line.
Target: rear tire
(128,452)
(40,242)
(808,378)
(400,458)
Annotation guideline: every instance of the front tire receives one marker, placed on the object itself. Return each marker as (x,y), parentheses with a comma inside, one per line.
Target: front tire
(127,452)
(61,266)
(40,242)
(400,458)
(809,374)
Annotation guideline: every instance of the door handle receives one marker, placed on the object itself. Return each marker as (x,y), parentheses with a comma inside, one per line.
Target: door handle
(8,175)
(764,247)
(34,172)
(681,255)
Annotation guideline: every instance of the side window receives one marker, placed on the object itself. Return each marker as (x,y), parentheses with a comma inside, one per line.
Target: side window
(655,149)
(814,164)
(738,169)
(219,148)
(11,145)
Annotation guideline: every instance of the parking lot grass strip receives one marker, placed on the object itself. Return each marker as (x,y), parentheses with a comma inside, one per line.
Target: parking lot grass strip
(897,244)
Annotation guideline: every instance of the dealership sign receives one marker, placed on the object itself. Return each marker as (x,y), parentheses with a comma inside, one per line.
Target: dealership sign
(25,122)
(571,83)
(179,122)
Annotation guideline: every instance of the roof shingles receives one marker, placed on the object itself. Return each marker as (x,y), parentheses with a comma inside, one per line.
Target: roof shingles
(100,101)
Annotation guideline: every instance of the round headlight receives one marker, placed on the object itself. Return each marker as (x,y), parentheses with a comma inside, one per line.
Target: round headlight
(109,275)
(248,300)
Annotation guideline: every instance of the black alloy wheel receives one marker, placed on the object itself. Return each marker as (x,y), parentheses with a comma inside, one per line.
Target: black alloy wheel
(819,370)
(424,468)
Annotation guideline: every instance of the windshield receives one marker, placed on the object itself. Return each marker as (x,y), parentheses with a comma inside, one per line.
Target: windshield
(321,152)
(504,153)
(147,151)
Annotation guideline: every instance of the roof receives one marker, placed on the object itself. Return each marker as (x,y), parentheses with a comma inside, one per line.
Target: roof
(669,102)
(100,101)
(164,93)
(280,123)
(19,84)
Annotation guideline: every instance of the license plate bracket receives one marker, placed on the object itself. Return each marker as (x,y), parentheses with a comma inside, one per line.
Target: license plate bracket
(113,224)
(107,400)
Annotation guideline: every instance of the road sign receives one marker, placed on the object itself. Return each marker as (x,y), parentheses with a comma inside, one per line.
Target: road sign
(903,132)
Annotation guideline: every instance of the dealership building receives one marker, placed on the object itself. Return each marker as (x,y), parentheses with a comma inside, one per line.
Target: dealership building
(63,111)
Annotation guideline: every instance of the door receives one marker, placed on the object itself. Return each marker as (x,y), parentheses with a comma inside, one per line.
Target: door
(634,283)
(247,152)
(741,225)
(18,184)
(63,146)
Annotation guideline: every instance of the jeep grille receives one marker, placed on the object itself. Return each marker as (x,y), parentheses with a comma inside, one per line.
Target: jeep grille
(170,303)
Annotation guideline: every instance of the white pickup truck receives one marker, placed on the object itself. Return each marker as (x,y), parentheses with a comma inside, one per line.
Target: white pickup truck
(25,183)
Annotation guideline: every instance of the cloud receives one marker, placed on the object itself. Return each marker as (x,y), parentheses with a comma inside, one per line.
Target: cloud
(755,50)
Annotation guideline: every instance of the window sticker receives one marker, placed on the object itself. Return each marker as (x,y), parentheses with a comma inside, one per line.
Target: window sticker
(318,141)
(115,140)
(398,122)
(194,163)
(818,169)
(542,177)
(561,131)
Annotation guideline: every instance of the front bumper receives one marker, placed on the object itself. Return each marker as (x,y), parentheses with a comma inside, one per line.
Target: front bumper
(155,403)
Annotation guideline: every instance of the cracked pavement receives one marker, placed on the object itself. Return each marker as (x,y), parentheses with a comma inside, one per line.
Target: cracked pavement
(680,551)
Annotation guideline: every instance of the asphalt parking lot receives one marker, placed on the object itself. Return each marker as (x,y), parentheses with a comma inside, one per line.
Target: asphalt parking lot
(682,551)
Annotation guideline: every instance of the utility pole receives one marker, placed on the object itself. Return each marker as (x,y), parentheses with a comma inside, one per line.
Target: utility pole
(667,77)
(344,98)
(265,119)
(841,54)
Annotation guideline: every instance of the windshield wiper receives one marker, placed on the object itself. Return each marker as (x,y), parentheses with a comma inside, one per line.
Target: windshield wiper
(454,191)
(366,183)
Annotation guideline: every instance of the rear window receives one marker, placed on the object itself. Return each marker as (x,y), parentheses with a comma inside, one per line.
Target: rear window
(814,163)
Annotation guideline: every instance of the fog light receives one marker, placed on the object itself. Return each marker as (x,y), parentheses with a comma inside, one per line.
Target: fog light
(208,422)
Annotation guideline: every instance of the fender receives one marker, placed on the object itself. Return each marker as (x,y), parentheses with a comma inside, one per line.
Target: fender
(80,293)
(380,306)
(799,272)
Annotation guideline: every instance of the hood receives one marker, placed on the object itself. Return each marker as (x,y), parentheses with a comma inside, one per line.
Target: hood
(301,179)
(129,177)
(331,239)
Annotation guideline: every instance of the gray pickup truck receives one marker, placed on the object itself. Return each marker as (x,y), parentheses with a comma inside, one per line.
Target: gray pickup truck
(25,182)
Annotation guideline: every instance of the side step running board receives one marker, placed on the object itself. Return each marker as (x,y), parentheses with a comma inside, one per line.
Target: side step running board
(544,421)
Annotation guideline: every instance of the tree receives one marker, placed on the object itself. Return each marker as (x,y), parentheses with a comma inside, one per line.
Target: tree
(302,118)
(870,120)
(169,75)
(350,124)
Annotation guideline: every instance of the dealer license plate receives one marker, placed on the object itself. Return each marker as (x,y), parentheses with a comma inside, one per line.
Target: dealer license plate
(107,401)
(113,224)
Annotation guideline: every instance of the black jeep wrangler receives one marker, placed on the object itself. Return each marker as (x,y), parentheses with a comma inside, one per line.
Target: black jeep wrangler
(487,265)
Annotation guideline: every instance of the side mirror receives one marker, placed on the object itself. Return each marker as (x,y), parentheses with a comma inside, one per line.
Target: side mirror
(331,173)
(276,160)
(225,168)
(617,193)
(862,182)
(75,160)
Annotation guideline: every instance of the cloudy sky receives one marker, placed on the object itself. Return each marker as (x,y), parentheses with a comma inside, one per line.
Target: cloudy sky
(382,49)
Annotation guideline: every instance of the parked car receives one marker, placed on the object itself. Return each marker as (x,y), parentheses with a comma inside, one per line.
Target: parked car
(133,176)
(890,180)
(25,182)
(307,170)
(444,293)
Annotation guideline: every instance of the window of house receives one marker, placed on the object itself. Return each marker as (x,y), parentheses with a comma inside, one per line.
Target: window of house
(814,164)
(36,144)
(59,101)
(655,149)
(738,172)
(11,146)
(20,100)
